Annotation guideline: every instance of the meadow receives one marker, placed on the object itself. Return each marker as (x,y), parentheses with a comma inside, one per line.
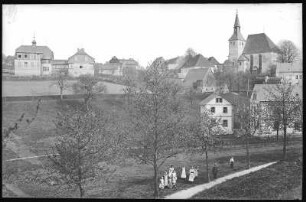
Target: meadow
(129,179)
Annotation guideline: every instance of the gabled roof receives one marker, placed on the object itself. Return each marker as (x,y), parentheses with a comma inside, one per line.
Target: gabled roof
(289,67)
(44,50)
(194,75)
(197,61)
(213,61)
(172,60)
(81,51)
(233,98)
(262,91)
(259,43)
(242,57)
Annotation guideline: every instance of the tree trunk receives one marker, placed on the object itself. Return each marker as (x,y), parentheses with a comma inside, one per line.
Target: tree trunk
(277,129)
(81,190)
(247,150)
(207,168)
(285,142)
(155,177)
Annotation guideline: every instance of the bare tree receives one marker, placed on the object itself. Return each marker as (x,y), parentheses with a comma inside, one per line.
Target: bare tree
(61,81)
(89,86)
(190,52)
(284,102)
(288,52)
(206,132)
(249,118)
(158,120)
(83,140)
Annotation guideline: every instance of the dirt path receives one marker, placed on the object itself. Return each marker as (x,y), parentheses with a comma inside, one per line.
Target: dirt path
(188,193)
(16,190)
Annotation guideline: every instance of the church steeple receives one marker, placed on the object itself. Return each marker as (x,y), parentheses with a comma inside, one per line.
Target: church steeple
(34,42)
(236,42)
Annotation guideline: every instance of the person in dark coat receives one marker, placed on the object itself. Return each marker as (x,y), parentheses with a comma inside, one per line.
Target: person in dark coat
(215,170)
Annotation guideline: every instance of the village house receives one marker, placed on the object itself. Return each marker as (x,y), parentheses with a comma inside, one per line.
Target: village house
(58,65)
(119,67)
(33,60)
(261,97)
(223,108)
(80,63)
(291,72)
(196,62)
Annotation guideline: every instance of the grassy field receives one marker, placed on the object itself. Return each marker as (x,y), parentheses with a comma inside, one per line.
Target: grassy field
(130,180)
(38,88)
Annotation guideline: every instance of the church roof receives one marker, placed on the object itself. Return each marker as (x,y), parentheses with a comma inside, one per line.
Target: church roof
(237,34)
(259,43)
(44,50)
(197,61)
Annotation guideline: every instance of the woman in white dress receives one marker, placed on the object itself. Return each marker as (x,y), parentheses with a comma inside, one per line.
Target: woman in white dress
(162,183)
(166,179)
(191,174)
(183,174)
(174,178)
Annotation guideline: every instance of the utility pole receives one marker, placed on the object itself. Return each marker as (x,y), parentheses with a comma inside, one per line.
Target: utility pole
(248,87)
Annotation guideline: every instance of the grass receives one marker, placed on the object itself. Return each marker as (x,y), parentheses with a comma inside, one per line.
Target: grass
(131,180)
(269,183)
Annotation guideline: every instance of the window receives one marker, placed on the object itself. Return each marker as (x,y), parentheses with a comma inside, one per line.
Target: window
(45,69)
(300,76)
(81,67)
(212,109)
(218,100)
(297,76)
(225,110)
(25,56)
(25,64)
(225,123)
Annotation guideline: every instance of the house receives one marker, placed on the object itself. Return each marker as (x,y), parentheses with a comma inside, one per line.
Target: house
(223,107)
(194,62)
(201,79)
(58,65)
(291,72)
(33,60)
(80,63)
(261,97)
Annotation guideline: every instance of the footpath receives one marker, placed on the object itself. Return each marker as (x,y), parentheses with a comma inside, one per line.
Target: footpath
(188,193)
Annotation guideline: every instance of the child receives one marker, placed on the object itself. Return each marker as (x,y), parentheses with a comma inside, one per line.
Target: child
(232,162)
(215,170)
(174,178)
(183,174)
(191,174)
(162,183)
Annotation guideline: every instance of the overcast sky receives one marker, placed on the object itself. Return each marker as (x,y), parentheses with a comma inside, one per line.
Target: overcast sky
(145,31)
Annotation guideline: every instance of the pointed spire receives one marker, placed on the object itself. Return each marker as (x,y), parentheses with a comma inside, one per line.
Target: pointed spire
(34,42)
(237,23)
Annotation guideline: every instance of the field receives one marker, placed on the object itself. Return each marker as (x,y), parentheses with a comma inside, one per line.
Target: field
(130,179)
(38,88)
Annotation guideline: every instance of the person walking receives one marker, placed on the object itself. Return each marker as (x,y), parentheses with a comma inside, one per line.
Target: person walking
(231,162)
(183,174)
(215,170)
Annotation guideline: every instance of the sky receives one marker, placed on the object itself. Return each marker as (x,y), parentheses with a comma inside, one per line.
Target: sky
(145,31)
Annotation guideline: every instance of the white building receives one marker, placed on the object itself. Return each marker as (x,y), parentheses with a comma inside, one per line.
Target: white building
(292,72)
(81,63)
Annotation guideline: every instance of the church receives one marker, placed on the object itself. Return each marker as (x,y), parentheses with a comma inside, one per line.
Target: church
(257,54)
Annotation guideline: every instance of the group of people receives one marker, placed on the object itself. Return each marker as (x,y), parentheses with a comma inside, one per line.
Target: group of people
(169,178)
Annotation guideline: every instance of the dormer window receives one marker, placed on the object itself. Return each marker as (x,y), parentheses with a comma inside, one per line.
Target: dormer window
(218,100)
(25,56)
(81,67)
(19,56)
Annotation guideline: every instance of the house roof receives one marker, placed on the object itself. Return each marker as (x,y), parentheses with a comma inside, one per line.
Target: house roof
(233,98)
(59,62)
(44,50)
(262,91)
(194,75)
(80,51)
(110,66)
(172,60)
(259,43)
(197,61)
(213,61)
(242,57)
(289,67)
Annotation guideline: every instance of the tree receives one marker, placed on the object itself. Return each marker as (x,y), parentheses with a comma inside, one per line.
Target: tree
(284,101)
(83,140)
(190,52)
(61,81)
(157,117)
(249,118)
(89,86)
(288,52)
(206,131)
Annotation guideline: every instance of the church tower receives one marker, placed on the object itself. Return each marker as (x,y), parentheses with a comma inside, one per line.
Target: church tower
(236,42)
